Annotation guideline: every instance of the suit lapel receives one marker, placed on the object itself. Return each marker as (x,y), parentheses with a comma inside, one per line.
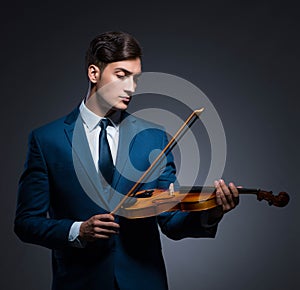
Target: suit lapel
(82,160)
(70,123)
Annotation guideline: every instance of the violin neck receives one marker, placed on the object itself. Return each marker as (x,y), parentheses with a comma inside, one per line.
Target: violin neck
(248,190)
(280,200)
(211,189)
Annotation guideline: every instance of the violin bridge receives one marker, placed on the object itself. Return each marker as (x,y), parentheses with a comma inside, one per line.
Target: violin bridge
(171,189)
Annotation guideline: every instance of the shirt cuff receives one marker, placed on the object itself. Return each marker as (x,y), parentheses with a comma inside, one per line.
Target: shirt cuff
(74,235)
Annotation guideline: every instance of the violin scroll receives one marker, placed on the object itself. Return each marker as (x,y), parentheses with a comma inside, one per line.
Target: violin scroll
(280,200)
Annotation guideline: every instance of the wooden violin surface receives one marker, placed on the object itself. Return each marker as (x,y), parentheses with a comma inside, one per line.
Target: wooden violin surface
(155,201)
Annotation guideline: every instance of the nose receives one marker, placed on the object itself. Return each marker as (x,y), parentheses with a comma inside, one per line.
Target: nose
(130,85)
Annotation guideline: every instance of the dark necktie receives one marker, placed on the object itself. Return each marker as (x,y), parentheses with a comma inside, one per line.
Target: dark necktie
(105,162)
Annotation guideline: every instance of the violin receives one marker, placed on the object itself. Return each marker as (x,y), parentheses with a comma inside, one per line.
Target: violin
(152,202)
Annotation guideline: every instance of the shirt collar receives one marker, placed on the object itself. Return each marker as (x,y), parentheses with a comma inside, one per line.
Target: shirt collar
(92,120)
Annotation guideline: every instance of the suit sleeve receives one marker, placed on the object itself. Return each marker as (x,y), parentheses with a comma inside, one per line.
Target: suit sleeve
(32,223)
(178,225)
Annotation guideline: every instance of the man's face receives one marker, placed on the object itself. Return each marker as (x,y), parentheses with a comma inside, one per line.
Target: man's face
(117,83)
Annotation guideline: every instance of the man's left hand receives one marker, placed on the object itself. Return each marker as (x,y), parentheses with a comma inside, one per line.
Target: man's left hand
(226,196)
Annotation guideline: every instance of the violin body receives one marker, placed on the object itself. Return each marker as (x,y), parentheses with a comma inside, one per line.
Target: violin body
(161,200)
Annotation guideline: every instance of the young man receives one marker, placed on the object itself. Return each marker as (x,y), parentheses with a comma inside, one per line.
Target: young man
(91,248)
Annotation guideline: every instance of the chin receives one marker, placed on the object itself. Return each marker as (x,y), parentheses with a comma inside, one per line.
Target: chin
(124,105)
(120,108)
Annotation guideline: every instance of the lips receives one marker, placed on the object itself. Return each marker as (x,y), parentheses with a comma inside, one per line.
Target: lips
(125,98)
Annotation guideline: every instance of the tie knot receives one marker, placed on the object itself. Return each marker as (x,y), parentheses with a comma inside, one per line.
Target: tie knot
(104,123)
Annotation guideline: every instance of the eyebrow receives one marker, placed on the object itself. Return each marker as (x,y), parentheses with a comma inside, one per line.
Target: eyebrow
(126,71)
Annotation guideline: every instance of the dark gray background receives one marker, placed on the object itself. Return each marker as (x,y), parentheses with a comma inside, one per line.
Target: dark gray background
(244,55)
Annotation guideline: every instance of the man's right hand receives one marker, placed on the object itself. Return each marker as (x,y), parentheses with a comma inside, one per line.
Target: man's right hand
(101,226)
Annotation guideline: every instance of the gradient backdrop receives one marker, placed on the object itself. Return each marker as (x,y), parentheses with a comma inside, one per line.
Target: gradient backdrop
(244,55)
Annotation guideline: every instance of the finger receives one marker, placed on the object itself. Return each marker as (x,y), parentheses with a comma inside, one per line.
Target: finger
(98,233)
(222,198)
(227,193)
(218,194)
(233,189)
(235,193)
(99,236)
(107,232)
(106,216)
(105,224)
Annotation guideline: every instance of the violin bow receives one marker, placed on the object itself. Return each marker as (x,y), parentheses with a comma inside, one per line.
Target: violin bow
(181,131)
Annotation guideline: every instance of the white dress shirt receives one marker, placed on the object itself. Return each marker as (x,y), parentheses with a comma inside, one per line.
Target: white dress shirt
(92,129)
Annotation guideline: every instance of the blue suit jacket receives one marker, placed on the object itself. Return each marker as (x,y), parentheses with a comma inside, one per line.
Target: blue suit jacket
(51,198)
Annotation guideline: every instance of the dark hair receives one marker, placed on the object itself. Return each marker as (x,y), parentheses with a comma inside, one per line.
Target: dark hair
(110,47)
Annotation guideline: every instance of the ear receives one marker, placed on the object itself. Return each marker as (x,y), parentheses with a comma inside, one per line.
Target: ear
(93,73)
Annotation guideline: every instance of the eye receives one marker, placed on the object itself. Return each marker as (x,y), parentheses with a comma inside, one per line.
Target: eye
(121,77)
